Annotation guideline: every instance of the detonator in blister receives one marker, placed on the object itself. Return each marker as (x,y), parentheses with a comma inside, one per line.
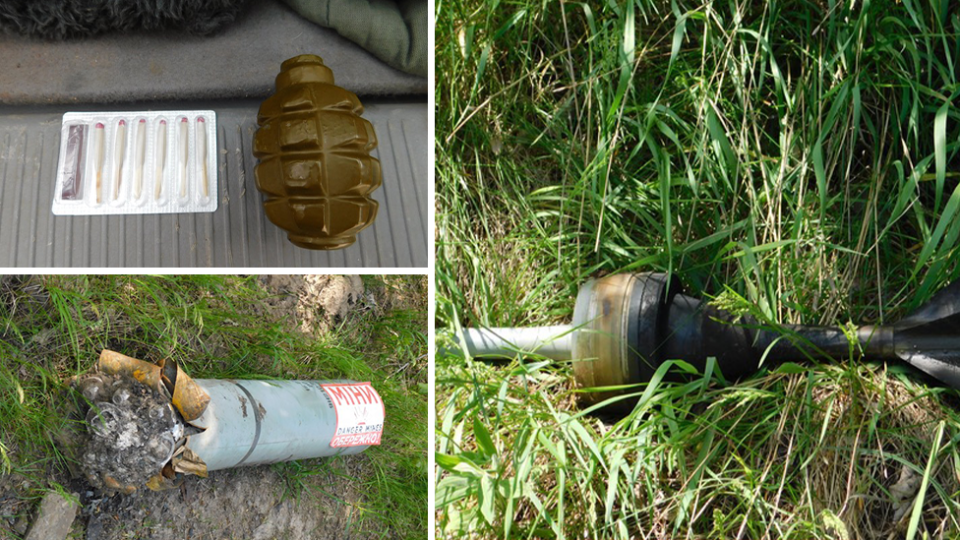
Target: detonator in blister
(72,188)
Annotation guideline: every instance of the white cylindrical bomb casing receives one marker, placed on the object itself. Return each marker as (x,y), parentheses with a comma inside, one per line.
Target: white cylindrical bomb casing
(253,422)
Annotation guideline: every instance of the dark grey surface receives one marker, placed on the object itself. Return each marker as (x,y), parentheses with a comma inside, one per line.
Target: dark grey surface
(240,62)
(237,234)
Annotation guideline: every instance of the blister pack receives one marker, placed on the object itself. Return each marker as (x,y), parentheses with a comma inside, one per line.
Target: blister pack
(147,162)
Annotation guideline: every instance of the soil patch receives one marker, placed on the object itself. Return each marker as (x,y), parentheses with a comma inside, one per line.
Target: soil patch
(318,302)
(243,503)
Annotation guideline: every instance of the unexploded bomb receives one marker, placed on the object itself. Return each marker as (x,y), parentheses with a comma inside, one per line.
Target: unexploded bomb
(315,164)
(626,326)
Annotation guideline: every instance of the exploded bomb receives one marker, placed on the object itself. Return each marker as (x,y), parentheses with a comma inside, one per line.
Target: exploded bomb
(147,423)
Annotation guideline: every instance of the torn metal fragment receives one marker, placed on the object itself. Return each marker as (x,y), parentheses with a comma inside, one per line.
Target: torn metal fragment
(114,363)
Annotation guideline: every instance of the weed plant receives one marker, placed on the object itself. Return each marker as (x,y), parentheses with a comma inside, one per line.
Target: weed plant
(800,155)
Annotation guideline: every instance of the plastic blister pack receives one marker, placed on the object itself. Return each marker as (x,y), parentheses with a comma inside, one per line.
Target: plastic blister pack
(148,162)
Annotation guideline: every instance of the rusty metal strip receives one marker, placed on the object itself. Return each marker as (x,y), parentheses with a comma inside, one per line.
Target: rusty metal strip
(114,363)
(188,397)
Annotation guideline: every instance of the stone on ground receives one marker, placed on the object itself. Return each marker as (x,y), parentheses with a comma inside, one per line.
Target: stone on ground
(54,519)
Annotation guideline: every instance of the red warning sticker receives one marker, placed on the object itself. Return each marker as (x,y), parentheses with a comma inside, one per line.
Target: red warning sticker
(360,414)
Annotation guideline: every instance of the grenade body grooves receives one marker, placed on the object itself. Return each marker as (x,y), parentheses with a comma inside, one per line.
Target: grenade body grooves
(315,165)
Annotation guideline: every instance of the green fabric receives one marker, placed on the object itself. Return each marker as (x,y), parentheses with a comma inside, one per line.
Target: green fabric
(395,31)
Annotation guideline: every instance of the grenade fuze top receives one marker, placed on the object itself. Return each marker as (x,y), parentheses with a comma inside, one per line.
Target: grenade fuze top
(315,164)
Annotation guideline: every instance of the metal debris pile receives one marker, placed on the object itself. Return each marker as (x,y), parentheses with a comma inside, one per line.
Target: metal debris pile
(132,431)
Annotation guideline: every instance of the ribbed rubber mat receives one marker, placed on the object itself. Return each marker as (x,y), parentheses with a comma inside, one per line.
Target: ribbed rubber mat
(238,234)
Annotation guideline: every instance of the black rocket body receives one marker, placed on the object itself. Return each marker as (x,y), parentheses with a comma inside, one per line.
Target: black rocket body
(627,325)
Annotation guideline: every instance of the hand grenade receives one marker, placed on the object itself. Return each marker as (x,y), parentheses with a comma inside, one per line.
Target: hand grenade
(315,165)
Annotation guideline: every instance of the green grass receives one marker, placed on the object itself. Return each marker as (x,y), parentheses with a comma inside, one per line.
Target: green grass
(54,327)
(802,154)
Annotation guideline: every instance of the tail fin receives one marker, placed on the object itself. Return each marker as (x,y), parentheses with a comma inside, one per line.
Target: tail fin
(929,339)
(944,307)
(942,364)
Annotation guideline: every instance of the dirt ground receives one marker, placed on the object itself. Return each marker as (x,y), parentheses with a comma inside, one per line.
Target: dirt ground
(317,302)
(244,503)
(321,302)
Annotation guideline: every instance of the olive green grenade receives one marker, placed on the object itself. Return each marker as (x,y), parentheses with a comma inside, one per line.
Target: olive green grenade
(315,165)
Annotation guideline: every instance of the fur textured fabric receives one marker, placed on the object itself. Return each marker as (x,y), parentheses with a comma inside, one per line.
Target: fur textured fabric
(64,19)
